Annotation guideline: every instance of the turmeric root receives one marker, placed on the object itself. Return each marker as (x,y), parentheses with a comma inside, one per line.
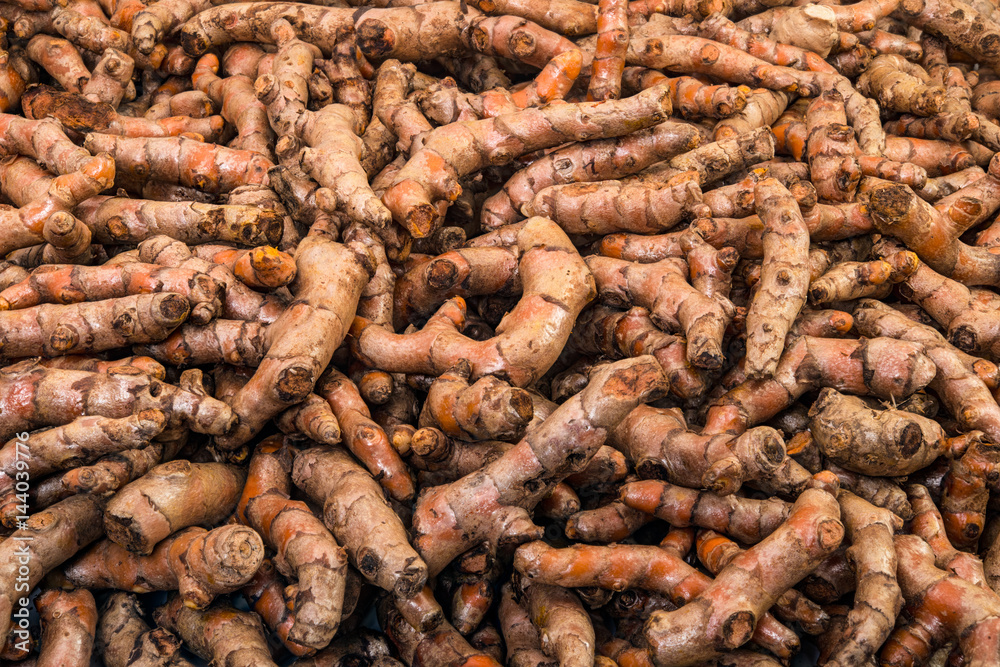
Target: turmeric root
(305,335)
(443,529)
(500,412)
(80,442)
(533,334)
(673,304)
(566,631)
(220,633)
(743,519)
(602,330)
(169,497)
(69,622)
(612,522)
(877,599)
(442,645)
(784,279)
(659,444)
(200,564)
(878,366)
(47,539)
(880,443)
(363,437)
(73,284)
(929,524)
(453,151)
(180,160)
(306,551)
(600,159)
(620,567)
(729,613)
(928,592)
(123,638)
(609,55)
(361,520)
(716,552)
(856,280)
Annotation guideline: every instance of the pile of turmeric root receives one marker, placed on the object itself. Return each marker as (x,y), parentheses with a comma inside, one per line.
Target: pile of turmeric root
(479,333)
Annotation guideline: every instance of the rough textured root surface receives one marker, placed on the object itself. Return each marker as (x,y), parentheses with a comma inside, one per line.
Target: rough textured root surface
(729,612)
(658,443)
(82,441)
(49,538)
(305,335)
(432,174)
(220,633)
(69,621)
(745,519)
(446,524)
(305,548)
(784,278)
(672,302)
(556,286)
(199,564)
(928,591)
(170,497)
(566,629)
(363,437)
(124,638)
(880,443)
(877,599)
(358,515)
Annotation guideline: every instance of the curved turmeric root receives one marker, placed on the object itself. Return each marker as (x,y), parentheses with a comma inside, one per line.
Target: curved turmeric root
(929,524)
(673,303)
(727,613)
(356,512)
(716,551)
(960,380)
(123,638)
(169,497)
(489,409)
(898,211)
(604,330)
(744,519)
(848,281)
(883,367)
(442,645)
(596,160)
(942,606)
(624,566)
(69,622)
(330,278)
(220,633)
(556,286)
(446,524)
(877,599)
(200,564)
(659,444)
(566,631)
(306,551)
(453,151)
(45,540)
